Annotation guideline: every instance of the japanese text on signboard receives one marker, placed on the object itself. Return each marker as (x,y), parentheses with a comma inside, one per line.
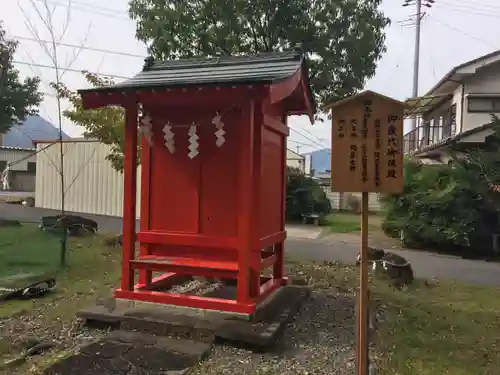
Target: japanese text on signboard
(367,145)
(392,147)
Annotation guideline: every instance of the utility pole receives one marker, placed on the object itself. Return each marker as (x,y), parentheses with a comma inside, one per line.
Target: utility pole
(416,56)
(4,64)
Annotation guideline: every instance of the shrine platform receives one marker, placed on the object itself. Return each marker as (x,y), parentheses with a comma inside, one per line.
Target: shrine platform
(259,331)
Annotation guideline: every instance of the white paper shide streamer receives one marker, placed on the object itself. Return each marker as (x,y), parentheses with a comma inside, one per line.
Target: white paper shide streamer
(146,129)
(169,137)
(193,142)
(219,133)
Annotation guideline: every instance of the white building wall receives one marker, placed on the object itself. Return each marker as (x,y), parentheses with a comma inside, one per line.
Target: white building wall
(295,160)
(484,82)
(91,184)
(339,200)
(457,99)
(18,157)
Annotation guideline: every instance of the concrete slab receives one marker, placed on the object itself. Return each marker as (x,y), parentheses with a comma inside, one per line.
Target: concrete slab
(133,353)
(260,332)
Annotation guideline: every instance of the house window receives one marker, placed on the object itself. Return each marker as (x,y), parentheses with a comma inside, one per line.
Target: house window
(484,104)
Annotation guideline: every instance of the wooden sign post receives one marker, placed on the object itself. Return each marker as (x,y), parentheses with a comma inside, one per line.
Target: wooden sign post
(367,156)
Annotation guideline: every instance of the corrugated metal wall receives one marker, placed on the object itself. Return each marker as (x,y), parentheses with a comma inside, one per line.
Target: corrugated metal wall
(91,184)
(23,182)
(19,157)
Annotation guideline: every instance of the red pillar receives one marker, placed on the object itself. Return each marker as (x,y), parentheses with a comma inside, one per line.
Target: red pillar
(255,228)
(145,276)
(246,203)
(129,195)
(279,248)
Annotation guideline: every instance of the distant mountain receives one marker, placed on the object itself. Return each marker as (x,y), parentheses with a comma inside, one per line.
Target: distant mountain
(34,128)
(320,160)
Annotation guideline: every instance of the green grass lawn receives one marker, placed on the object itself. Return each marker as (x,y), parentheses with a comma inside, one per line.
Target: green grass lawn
(344,222)
(92,272)
(25,253)
(443,329)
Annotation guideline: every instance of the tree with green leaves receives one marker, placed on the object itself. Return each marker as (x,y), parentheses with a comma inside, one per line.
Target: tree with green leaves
(104,124)
(344,38)
(18,99)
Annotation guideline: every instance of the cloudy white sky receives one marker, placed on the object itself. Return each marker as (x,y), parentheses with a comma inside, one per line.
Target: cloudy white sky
(453,31)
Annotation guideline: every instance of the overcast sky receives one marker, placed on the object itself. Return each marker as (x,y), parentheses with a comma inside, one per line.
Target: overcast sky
(453,31)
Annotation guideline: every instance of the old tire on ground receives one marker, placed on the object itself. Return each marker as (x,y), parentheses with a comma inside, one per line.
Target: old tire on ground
(75,225)
(9,223)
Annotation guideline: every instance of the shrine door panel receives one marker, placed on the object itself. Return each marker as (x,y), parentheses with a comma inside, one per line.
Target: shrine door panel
(175,179)
(272,200)
(219,179)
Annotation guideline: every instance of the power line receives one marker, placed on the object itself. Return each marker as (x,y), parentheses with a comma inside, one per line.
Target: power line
(463,32)
(314,136)
(92,9)
(474,6)
(79,47)
(301,143)
(30,155)
(431,60)
(68,69)
(309,139)
(465,9)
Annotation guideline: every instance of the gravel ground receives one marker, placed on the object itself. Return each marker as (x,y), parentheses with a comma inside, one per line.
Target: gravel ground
(20,332)
(319,341)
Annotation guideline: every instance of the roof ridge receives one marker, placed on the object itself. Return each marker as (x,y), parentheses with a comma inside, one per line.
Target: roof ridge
(223,60)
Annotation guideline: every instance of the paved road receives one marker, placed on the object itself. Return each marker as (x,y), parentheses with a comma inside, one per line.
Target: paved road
(425,265)
(341,248)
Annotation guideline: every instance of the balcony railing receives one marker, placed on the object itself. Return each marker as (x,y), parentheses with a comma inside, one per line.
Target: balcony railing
(423,136)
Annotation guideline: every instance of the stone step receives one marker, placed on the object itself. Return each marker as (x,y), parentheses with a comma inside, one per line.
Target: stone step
(126,352)
(260,333)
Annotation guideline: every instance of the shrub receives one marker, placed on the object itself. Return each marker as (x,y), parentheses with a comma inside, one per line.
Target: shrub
(304,196)
(450,206)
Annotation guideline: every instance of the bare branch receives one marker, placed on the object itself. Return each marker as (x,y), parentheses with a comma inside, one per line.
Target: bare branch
(78,52)
(33,29)
(34,69)
(66,23)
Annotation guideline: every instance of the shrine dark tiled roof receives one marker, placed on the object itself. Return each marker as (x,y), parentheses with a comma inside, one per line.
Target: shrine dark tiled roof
(261,68)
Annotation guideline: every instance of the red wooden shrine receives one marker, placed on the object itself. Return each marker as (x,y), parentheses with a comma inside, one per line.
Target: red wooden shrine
(213,153)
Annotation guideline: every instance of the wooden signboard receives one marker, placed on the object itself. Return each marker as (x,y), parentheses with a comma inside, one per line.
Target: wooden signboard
(367,144)
(367,156)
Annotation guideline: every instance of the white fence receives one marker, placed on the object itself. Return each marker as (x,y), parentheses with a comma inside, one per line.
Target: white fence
(339,201)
